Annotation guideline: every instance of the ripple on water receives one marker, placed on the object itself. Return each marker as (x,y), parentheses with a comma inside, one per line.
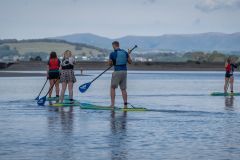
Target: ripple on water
(185,123)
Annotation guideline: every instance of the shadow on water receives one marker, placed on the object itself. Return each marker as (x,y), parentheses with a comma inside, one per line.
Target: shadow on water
(60,131)
(117,140)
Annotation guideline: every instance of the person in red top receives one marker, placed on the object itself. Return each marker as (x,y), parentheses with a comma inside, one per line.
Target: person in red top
(53,73)
(229,67)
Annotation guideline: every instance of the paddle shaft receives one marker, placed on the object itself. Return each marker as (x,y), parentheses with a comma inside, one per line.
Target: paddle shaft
(43,87)
(101,74)
(110,66)
(52,86)
(130,105)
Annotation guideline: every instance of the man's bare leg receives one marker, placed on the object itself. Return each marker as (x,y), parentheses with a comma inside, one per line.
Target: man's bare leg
(112,96)
(124,96)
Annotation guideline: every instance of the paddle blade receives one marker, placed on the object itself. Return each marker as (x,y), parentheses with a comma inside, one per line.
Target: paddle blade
(41,101)
(37,98)
(84,87)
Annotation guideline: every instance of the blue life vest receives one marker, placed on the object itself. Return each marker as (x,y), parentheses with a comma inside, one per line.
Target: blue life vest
(121,58)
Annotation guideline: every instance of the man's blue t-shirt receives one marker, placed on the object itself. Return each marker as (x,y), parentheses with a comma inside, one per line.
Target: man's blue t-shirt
(120,59)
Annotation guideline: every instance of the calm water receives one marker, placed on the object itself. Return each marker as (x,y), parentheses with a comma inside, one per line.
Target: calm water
(190,124)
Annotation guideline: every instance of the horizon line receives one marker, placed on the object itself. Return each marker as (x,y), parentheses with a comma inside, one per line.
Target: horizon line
(112,38)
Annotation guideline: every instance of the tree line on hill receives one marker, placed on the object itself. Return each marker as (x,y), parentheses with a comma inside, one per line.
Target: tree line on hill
(195,56)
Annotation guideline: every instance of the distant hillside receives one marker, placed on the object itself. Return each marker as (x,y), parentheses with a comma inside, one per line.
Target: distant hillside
(42,48)
(87,38)
(183,42)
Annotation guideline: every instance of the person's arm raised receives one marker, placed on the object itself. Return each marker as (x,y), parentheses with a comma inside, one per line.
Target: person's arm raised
(129,57)
(110,62)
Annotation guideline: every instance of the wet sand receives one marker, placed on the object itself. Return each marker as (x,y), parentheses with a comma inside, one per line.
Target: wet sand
(13,69)
(21,74)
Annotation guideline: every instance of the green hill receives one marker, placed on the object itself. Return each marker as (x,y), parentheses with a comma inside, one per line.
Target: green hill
(42,48)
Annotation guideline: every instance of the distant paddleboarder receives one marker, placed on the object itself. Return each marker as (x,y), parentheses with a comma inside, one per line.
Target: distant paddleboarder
(119,59)
(229,67)
(53,73)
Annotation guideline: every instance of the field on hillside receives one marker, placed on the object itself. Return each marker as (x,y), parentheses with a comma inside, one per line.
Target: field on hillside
(24,50)
(47,47)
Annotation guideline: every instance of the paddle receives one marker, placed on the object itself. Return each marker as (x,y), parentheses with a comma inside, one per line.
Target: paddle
(84,87)
(37,98)
(42,100)
(135,107)
(130,105)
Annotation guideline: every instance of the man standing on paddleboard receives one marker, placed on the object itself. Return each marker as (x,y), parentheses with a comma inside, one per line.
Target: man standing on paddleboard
(119,59)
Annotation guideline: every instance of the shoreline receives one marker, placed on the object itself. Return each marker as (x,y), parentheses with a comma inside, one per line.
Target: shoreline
(19,74)
(143,66)
(15,69)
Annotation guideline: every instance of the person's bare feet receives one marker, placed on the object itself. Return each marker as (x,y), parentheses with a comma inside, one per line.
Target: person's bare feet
(125,105)
(111,106)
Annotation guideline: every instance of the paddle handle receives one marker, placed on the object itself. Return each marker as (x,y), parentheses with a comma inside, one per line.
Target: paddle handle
(130,51)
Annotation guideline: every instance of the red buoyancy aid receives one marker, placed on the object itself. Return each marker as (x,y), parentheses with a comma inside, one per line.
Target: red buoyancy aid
(228,68)
(54,64)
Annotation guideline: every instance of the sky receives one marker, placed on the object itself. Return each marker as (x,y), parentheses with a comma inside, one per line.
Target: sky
(27,19)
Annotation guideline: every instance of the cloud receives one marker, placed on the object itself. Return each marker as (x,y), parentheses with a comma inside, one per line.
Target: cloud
(197,21)
(212,5)
(149,1)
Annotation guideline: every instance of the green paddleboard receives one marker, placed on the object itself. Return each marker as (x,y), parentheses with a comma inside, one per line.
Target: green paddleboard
(97,107)
(224,94)
(66,103)
(56,98)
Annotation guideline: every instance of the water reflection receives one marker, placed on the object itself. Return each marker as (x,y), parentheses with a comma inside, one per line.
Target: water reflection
(66,119)
(230,132)
(60,131)
(229,102)
(66,115)
(118,136)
